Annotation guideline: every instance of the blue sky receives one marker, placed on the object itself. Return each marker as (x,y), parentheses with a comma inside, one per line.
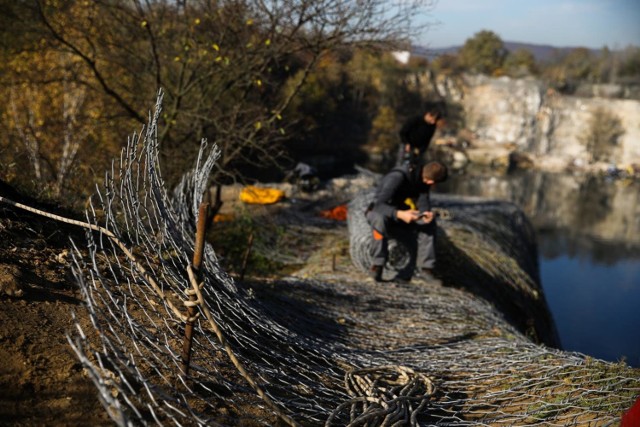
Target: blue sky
(560,23)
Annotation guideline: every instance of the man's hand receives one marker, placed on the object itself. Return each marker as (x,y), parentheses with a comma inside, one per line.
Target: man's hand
(408,216)
(427,216)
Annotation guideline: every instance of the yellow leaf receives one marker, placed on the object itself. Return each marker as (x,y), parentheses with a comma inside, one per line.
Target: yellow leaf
(258,125)
(267,42)
(249,21)
(143,24)
(176,59)
(197,21)
(215,47)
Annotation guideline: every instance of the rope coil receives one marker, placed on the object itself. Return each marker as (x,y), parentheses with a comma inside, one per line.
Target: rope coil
(385,395)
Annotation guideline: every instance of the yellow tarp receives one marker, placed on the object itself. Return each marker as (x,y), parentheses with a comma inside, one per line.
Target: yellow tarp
(261,196)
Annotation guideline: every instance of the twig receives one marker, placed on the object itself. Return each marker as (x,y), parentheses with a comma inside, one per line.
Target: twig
(245,259)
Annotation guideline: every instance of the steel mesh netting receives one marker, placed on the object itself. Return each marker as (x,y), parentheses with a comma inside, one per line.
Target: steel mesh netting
(489,227)
(334,349)
(487,246)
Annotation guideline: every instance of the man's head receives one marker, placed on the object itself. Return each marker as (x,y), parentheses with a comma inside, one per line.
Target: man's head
(434,172)
(433,111)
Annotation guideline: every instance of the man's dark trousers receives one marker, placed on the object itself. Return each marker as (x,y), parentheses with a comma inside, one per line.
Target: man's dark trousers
(424,256)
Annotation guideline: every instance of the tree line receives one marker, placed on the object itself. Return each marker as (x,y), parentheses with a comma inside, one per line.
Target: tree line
(79,76)
(267,82)
(486,53)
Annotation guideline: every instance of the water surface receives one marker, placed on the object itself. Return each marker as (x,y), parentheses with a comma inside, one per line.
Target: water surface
(588,231)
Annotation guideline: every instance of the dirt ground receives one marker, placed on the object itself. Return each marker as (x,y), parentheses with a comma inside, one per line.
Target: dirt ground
(41,380)
(42,383)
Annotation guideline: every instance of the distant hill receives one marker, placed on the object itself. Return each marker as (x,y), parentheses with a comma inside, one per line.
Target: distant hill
(542,53)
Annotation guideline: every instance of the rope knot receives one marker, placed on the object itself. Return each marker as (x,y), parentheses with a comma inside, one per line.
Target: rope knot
(385,395)
(194,291)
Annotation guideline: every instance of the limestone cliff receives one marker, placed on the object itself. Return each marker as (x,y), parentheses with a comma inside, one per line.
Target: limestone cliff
(505,114)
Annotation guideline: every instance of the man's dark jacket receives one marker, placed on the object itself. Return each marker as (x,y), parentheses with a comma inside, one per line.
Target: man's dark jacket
(417,133)
(395,187)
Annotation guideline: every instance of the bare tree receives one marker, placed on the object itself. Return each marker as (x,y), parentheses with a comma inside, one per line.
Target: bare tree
(51,132)
(223,64)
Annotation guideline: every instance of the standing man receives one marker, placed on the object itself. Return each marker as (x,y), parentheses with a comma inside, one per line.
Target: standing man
(390,216)
(417,132)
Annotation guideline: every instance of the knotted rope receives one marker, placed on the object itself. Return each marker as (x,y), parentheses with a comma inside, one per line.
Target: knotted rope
(385,396)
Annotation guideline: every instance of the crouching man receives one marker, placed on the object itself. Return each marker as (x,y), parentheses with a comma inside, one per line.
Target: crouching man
(391,215)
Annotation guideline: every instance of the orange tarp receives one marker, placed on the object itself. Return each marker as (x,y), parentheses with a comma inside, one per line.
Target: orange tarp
(223,217)
(339,213)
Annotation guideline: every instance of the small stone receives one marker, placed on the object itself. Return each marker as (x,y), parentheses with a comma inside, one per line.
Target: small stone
(10,281)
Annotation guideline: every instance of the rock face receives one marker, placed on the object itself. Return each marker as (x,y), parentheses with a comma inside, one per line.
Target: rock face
(521,114)
(502,111)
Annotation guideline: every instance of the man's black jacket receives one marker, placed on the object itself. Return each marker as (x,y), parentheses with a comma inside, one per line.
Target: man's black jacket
(417,133)
(401,183)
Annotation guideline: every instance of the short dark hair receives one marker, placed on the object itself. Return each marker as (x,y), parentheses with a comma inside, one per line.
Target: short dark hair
(436,171)
(435,108)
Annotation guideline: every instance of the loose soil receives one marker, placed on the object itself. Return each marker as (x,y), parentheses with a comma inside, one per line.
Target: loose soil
(41,380)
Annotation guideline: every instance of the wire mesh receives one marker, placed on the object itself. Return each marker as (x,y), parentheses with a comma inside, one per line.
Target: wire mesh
(335,349)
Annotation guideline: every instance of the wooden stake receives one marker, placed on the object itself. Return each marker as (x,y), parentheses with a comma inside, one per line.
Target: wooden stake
(201,232)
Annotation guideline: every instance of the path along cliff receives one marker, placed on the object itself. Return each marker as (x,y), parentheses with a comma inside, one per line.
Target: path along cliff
(319,345)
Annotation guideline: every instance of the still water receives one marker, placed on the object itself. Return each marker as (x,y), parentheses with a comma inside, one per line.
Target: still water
(588,231)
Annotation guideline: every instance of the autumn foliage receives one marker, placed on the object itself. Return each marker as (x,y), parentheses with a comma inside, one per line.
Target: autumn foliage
(78,77)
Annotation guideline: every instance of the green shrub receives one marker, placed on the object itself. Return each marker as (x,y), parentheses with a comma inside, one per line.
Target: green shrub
(231,240)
